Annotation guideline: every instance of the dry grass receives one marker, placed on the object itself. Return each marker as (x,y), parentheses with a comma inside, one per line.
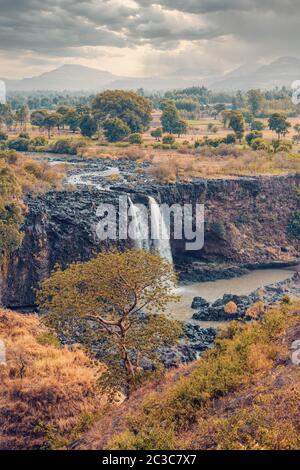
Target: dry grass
(48,394)
(243,394)
(211,163)
(32,176)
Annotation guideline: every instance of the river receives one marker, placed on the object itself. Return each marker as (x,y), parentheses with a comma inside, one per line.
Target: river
(213,290)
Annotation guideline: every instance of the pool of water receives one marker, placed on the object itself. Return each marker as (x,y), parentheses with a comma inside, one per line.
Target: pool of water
(214,290)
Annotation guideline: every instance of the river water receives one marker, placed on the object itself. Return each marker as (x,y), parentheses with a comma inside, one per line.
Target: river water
(213,290)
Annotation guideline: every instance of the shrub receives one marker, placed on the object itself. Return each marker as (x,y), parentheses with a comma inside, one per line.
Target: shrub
(260,144)
(241,354)
(229,139)
(39,141)
(231,308)
(3,136)
(24,135)
(257,126)
(168,139)
(68,146)
(135,139)
(253,135)
(21,145)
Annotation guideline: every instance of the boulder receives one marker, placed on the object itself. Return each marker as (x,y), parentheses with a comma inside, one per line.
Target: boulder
(199,302)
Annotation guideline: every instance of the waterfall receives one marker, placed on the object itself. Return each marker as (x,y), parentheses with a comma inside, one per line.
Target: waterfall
(139,230)
(160,236)
(139,227)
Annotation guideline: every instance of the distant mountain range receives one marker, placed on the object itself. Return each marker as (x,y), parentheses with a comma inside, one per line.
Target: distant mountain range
(281,72)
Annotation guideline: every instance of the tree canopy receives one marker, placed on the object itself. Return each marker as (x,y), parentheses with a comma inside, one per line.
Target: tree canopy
(123,295)
(134,110)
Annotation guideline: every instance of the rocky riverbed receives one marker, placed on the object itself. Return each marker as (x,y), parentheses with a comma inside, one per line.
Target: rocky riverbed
(268,295)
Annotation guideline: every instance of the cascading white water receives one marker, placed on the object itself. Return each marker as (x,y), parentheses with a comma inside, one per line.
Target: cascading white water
(138,227)
(159,240)
(160,237)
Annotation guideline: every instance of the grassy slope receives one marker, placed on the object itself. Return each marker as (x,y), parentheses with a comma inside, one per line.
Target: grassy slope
(244,394)
(47,393)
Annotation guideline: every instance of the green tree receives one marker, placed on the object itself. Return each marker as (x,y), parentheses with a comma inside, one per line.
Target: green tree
(218,109)
(88,126)
(257,126)
(170,119)
(255,101)
(113,291)
(37,118)
(115,129)
(72,119)
(278,123)
(237,124)
(157,133)
(22,116)
(51,120)
(134,110)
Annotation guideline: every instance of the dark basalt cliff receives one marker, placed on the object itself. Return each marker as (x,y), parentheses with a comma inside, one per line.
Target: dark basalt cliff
(245,224)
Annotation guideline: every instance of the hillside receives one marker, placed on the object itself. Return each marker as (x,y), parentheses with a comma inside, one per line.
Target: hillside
(282,72)
(243,394)
(73,77)
(48,394)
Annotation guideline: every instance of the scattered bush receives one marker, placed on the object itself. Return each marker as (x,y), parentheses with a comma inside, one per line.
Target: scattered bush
(168,139)
(135,139)
(24,135)
(21,145)
(39,141)
(3,136)
(68,146)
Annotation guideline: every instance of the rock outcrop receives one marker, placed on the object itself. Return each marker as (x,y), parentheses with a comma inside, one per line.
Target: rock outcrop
(245,226)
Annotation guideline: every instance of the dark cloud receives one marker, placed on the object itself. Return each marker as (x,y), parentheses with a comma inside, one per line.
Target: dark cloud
(218,32)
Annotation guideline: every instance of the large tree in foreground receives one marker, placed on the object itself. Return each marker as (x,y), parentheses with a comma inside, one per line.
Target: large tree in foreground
(118,299)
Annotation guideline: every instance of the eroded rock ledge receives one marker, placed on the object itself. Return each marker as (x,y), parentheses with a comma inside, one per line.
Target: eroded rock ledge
(245,225)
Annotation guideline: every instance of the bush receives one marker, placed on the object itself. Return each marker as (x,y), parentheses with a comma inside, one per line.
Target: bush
(135,139)
(24,135)
(229,139)
(257,126)
(68,146)
(241,354)
(39,141)
(3,136)
(253,135)
(21,145)
(260,144)
(168,139)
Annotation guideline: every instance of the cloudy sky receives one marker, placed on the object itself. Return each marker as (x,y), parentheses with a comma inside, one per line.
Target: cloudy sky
(138,37)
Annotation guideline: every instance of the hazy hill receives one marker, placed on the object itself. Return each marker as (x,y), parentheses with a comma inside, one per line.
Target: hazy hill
(80,78)
(281,72)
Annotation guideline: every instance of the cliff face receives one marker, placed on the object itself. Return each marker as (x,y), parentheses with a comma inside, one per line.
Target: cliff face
(245,223)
